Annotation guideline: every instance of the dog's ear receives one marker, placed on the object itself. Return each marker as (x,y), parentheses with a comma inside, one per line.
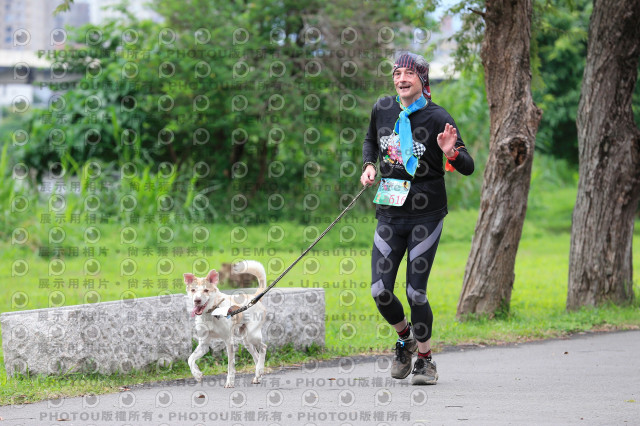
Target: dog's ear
(212,276)
(189,278)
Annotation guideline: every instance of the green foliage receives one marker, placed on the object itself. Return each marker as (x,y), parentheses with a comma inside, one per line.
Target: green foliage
(560,48)
(559,51)
(469,37)
(15,196)
(256,99)
(558,55)
(465,99)
(63,7)
(6,183)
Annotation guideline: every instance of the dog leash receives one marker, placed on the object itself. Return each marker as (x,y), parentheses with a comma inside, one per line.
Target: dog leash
(259,296)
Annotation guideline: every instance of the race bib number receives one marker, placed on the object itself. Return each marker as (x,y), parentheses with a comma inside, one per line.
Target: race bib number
(392,192)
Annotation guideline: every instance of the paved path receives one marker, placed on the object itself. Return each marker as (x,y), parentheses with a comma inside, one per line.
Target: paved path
(587,379)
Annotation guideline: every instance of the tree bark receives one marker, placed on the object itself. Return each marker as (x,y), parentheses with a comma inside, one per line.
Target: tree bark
(600,259)
(489,274)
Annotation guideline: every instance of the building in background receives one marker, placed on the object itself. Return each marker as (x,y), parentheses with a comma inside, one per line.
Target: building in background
(27,29)
(26,24)
(30,24)
(101,10)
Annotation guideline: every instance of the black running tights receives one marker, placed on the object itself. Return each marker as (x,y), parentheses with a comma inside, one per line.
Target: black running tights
(391,241)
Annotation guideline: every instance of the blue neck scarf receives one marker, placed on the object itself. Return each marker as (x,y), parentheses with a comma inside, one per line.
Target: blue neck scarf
(403,130)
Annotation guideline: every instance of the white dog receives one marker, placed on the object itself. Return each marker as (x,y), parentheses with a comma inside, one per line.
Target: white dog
(210,307)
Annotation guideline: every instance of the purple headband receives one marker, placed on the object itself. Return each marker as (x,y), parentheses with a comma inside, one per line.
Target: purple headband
(419,65)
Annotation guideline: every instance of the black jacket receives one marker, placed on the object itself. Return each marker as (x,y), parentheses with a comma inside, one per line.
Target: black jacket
(427,199)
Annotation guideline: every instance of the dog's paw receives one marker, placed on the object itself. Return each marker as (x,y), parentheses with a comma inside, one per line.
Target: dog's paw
(198,376)
(255,381)
(228,384)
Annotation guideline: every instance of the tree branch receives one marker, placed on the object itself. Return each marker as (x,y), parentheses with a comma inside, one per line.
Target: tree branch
(477,12)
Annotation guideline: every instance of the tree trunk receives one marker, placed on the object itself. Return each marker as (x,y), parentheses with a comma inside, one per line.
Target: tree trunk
(600,260)
(489,276)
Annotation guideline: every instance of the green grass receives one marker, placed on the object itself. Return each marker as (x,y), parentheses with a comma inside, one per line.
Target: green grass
(353,324)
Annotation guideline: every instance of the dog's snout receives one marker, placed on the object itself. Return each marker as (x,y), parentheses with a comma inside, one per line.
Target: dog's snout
(197,300)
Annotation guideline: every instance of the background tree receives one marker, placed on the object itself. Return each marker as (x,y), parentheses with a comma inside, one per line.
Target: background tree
(248,99)
(514,118)
(600,265)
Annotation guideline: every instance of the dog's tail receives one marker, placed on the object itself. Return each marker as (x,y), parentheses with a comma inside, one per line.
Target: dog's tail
(254,268)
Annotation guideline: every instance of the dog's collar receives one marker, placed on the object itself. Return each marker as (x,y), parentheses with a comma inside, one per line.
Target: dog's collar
(214,307)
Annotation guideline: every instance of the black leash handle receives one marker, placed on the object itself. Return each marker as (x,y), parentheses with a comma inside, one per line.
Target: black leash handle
(259,296)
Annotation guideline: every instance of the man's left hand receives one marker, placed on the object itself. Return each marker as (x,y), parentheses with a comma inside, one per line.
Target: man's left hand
(447,140)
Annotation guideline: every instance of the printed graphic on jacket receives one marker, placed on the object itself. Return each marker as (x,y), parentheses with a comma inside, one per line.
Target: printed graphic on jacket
(392,155)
